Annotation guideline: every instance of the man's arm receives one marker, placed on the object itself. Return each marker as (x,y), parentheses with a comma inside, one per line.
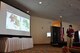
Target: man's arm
(67,31)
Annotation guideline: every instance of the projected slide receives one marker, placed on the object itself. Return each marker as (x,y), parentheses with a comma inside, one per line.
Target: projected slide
(16,22)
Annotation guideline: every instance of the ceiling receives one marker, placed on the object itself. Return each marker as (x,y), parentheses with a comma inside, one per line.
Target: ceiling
(53,9)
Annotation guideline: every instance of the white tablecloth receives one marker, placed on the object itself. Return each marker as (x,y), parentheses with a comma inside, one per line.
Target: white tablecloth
(13,44)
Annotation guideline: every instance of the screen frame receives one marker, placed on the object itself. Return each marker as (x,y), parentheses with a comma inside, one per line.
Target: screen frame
(9,35)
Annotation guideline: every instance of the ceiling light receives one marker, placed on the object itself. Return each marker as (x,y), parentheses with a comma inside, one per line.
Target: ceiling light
(40,2)
(27,11)
(70,5)
(60,16)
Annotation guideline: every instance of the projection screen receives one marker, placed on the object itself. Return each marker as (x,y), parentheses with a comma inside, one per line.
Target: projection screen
(13,21)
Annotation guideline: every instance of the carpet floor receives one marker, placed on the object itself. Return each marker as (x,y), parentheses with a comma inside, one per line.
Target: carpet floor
(41,49)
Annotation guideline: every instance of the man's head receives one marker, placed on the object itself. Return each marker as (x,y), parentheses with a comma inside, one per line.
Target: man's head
(70,26)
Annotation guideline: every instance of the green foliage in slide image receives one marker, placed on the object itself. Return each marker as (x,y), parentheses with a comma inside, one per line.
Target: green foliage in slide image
(26,23)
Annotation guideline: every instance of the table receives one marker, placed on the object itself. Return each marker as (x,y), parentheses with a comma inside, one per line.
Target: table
(13,44)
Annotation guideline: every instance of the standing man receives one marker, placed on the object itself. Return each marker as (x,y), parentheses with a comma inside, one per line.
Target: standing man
(70,33)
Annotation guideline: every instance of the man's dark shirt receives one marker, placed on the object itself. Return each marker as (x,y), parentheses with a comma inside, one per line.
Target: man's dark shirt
(70,32)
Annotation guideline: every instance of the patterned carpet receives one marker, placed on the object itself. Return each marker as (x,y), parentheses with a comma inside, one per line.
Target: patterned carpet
(41,49)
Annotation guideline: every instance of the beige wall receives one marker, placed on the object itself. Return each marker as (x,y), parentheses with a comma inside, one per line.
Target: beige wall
(39,28)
